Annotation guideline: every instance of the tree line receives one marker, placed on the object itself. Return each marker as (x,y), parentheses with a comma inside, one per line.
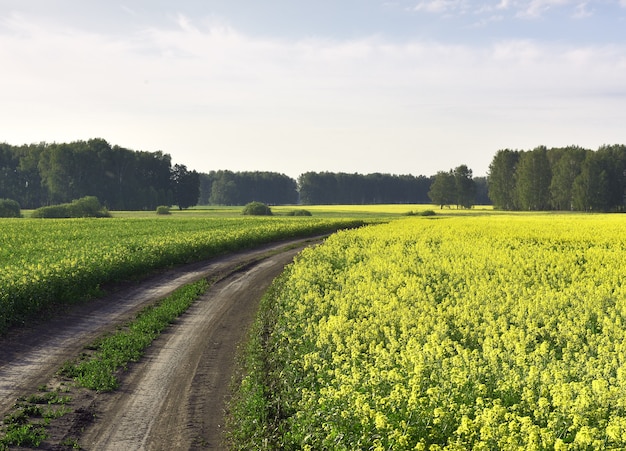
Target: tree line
(567,178)
(240,188)
(43,174)
(342,188)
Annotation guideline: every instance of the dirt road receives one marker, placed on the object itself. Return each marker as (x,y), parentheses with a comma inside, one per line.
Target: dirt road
(174,398)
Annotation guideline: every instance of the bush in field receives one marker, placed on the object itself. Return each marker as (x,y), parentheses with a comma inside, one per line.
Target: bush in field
(299,213)
(257,209)
(163,210)
(85,207)
(421,213)
(9,209)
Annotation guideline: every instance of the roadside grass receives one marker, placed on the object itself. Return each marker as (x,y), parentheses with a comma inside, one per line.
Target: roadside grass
(251,418)
(97,370)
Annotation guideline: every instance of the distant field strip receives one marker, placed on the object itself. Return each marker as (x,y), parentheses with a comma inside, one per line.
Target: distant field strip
(456,333)
(47,262)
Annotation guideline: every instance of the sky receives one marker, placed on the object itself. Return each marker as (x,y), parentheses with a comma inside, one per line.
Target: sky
(290,86)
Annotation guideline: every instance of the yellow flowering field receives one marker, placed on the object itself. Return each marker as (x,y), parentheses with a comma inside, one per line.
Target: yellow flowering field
(492,332)
(48,262)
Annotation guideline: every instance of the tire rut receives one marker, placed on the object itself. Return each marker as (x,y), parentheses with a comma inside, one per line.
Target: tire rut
(177,398)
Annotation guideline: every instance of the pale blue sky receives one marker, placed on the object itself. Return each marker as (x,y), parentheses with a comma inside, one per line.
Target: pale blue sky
(406,86)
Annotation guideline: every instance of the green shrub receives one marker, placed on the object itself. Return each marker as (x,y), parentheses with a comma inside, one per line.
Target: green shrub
(163,210)
(9,209)
(257,209)
(421,213)
(52,211)
(299,213)
(85,207)
(88,206)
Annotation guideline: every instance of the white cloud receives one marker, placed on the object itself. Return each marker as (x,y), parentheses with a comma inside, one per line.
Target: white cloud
(536,8)
(582,11)
(203,85)
(440,6)
(528,9)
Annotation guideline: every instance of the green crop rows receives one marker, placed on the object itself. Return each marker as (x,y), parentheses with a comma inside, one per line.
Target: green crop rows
(47,263)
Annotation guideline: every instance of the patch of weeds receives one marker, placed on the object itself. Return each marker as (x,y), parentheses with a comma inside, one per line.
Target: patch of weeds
(25,425)
(71,442)
(51,397)
(52,414)
(97,371)
(23,435)
(20,430)
(15,418)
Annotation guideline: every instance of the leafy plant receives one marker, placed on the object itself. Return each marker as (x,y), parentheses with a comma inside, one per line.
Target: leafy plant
(9,209)
(257,209)
(27,435)
(85,207)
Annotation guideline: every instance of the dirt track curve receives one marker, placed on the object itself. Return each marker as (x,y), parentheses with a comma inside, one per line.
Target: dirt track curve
(174,398)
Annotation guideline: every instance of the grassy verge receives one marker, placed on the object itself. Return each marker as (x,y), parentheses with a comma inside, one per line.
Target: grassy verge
(252,417)
(96,370)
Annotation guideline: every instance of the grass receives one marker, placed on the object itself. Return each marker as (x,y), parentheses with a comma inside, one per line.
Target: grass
(98,370)
(250,410)
(376,211)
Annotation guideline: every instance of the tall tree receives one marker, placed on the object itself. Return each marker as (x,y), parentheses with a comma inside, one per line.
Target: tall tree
(33,194)
(591,191)
(443,190)
(501,179)
(224,189)
(56,169)
(482,191)
(614,158)
(465,186)
(9,176)
(533,177)
(186,186)
(153,175)
(565,169)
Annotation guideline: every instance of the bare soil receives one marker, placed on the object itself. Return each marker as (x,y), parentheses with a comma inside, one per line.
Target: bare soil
(174,398)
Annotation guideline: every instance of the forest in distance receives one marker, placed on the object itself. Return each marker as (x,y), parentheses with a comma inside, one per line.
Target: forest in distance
(567,178)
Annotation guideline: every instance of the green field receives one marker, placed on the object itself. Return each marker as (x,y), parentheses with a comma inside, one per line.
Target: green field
(473,332)
(47,262)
